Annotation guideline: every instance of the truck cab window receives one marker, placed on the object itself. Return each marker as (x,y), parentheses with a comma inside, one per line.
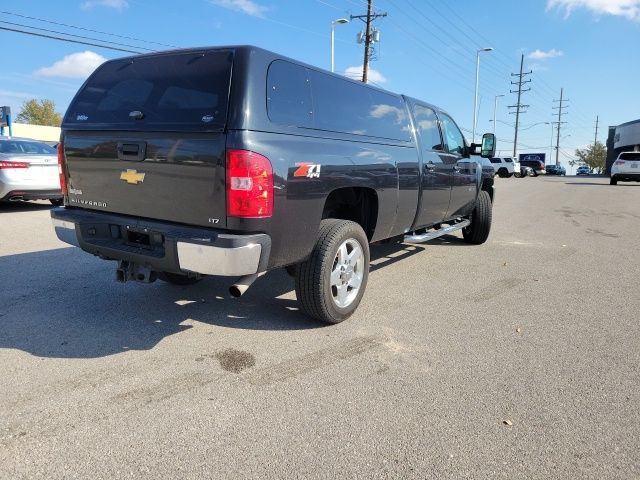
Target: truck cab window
(452,135)
(427,125)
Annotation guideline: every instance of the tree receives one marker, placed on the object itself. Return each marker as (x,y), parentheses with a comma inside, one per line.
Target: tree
(39,112)
(594,156)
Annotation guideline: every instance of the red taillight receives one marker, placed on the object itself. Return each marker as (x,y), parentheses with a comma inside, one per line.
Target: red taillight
(63,180)
(7,165)
(619,162)
(249,185)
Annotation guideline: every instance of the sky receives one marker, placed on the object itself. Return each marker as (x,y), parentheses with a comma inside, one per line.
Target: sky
(427,50)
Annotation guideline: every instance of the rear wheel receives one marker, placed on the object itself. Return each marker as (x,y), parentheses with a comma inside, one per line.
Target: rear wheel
(331,282)
(503,173)
(178,279)
(292,270)
(613,181)
(478,231)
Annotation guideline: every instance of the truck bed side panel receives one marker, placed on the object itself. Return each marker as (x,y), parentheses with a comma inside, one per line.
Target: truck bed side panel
(299,201)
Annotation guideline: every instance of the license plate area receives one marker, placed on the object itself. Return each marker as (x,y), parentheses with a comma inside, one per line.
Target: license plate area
(144,238)
(138,239)
(124,238)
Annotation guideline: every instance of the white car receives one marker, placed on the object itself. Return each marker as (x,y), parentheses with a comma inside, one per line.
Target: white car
(506,167)
(28,171)
(626,168)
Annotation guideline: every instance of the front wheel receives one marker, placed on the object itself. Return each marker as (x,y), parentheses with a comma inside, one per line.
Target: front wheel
(331,282)
(518,175)
(478,231)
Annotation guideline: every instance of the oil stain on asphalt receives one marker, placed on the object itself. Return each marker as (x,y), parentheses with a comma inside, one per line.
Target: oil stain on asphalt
(235,361)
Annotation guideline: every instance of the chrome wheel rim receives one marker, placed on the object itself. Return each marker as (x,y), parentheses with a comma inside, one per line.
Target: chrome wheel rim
(347,273)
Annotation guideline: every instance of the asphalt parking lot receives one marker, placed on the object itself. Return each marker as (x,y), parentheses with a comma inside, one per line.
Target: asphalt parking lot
(516,359)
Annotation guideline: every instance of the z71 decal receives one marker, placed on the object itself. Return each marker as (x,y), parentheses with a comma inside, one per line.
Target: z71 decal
(309,170)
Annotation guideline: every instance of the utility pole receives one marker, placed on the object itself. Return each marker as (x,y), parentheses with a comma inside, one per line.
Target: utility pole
(368,36)
(518,106)
(596,137)
(561,112)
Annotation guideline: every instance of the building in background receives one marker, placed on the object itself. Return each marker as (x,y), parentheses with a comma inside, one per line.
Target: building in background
(623,138)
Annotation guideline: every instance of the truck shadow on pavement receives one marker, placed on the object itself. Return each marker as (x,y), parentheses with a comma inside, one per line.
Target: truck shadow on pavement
(63,303)
(588,184)
(13,207)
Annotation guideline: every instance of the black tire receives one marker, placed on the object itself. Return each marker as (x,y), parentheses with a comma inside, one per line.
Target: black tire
(478,232)
(613,181)
(292,270)
(178,279)
(509,175)
(503,173)
(517,175)
(56,202)
(315,293)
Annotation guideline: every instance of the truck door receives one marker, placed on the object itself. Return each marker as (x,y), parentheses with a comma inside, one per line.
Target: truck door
(436,175)
(465,169)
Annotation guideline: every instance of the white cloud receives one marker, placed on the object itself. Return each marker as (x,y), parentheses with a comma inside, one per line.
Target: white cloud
(629,9)
(76,65)
(541,55)
(356,73)
(115,4)
(245,6)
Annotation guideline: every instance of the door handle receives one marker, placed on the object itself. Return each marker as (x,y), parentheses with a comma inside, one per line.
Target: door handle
(456,168)
(131,151)
(430,167)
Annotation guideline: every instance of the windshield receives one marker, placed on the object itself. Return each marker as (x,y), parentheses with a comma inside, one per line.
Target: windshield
(21,147)
(172,91)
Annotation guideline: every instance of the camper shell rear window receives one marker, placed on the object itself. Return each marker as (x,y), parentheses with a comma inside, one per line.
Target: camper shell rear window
(175,91)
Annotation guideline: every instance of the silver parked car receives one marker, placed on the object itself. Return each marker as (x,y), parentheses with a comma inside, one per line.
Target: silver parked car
(28,171)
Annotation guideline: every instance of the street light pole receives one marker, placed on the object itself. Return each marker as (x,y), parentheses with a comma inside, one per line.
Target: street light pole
(495,107)
(339,21)
(475,103)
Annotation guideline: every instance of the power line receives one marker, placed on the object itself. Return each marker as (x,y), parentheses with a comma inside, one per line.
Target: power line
(72,35)
(53,37)
(60,24)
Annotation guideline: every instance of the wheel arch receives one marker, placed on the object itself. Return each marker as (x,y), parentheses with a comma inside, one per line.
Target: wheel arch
(358,204)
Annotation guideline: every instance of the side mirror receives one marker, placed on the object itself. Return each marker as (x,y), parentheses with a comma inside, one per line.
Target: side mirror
(488,145)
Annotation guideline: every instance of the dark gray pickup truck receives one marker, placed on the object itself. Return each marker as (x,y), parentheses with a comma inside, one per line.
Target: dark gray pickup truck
(233,161)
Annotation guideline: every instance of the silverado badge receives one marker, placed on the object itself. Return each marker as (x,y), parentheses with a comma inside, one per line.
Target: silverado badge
(132,176)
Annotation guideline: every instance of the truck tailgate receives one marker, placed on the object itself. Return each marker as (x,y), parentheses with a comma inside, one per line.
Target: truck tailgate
(174,176)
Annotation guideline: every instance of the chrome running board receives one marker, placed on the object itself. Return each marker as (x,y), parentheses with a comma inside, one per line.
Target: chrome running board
(430,235)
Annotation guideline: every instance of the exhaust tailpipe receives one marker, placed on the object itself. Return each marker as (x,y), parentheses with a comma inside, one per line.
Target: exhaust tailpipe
(242,285)
(16,198)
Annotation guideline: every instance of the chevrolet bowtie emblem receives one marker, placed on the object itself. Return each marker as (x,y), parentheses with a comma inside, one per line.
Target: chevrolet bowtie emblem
(132,176)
